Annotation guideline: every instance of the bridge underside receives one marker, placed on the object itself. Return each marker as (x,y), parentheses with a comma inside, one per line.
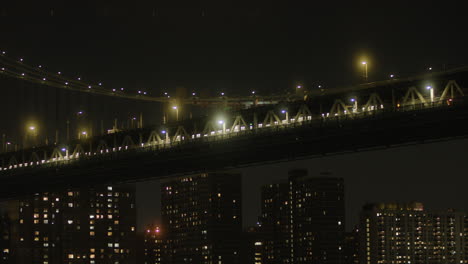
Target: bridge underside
(313,139)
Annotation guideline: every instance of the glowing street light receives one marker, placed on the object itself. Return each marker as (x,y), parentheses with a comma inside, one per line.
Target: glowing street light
(164,132)
(364,63)
(355,105)
(287,115)
(32,128)
(177,112)
(431,90)
(221,122)
(83,134)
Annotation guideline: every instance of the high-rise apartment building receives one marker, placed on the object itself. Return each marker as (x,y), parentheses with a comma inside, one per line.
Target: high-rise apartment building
(154,246)
(406,233)
(253,246)
(77,226)
(303,219)
(202,216)
(275,222)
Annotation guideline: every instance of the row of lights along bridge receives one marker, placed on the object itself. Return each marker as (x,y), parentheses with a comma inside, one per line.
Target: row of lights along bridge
(32,130)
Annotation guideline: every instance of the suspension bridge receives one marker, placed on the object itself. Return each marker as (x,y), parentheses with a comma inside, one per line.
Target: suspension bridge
(419,109)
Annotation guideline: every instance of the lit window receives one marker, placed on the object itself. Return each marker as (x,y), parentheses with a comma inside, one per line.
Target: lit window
(70,222)
(70,193)
(71,256)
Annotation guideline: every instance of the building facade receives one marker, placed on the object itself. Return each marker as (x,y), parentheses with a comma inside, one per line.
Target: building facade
(202,216)
(154,246)
(77,226)
(303,219)
(406,233)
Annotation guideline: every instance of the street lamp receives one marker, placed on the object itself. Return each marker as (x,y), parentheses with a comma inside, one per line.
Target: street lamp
(431,90)
(221,122)
(177,112)
(287,115)
(83,134)
(354,100)
(164,132)
(365,69)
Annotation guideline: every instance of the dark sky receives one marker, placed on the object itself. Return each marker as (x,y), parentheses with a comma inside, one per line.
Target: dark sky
(267,46)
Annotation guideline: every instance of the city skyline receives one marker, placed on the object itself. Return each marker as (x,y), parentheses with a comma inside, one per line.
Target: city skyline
(219,132)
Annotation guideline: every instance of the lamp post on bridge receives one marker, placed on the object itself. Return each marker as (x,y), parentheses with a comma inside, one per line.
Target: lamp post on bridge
(287,115)
(221,122)
(364,63)
(431,90)
(166,134)
(355,105)
(177,112)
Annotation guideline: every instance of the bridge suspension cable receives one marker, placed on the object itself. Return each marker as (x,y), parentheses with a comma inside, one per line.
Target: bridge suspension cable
(18,69)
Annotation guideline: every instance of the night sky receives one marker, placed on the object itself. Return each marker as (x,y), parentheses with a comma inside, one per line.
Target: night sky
(236,47)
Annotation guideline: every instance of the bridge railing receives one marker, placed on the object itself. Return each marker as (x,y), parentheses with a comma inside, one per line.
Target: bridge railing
(57,159)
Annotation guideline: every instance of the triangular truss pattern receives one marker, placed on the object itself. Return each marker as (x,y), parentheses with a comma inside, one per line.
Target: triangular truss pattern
(154,138)
(271,118)
(34,158)
(77,151)
(339,107)
(180,134)
(239,122)
(374,103)
(304,113)
(209,127)
(13,161)
(451,90)
(56,154)
(102,146)
(128,141)
(412,96)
